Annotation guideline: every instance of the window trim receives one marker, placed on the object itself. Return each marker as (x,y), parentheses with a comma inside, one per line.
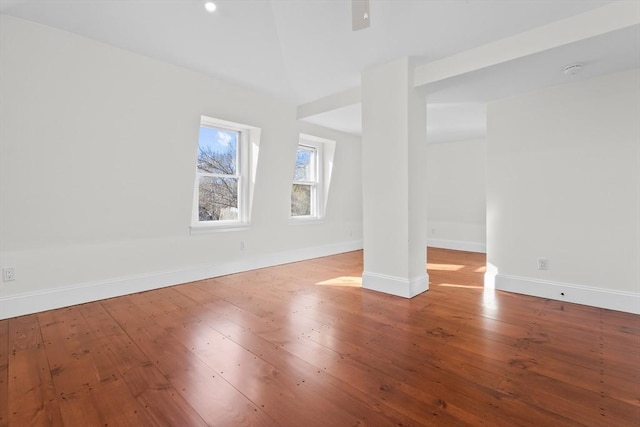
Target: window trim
(317,187)
(243,174)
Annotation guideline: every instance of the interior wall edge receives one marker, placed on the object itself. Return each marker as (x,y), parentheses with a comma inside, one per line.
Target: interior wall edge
(394,285)
(34,302)
(458,245)
(586,295)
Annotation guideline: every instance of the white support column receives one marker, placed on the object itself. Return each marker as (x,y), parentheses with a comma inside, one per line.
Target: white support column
(394,194)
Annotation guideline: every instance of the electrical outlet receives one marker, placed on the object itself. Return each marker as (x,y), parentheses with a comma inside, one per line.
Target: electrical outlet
(242,245)
(543,264)
(8,274)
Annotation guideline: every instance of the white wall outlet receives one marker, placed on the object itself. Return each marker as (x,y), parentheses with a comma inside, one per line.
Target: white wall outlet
(543,264)
(242,245)
(433,231)
(8,274)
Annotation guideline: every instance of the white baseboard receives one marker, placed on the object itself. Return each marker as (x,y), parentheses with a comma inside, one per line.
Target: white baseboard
(33,302)
(596,297)
(458,245)
(399,286)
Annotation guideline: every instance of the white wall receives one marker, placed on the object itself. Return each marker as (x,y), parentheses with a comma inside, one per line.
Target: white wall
(456,195)
(97,154)
(563,179)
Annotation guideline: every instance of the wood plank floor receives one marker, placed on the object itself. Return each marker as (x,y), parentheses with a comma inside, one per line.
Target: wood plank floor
(303,345)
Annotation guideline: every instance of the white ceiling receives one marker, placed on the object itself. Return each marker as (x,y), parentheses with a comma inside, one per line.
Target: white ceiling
(302,50)
(456,107)
(607,53)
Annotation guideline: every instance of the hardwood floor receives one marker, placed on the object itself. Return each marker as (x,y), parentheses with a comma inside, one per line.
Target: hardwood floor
(303,345)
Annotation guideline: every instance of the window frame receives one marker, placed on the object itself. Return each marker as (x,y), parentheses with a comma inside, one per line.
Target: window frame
(316,209)
(243,161)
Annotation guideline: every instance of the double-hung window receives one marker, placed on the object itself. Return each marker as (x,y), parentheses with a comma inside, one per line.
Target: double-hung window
(306,192)
(221,175)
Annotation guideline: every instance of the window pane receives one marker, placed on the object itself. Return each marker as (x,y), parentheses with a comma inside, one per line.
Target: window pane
(218,151)
(300,200)
(305,165)
(218,199)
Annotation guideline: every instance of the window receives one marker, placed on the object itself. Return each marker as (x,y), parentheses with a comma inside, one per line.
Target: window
(306,200)
(221,196)
(218,174)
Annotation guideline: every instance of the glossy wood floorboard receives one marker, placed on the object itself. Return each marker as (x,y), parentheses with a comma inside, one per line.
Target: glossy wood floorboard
(304,345)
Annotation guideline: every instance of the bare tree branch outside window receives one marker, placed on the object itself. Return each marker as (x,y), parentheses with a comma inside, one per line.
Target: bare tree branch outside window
(304,178)
(218,178)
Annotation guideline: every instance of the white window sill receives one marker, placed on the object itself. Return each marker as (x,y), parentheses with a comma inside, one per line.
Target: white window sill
(305,220)
(218,228)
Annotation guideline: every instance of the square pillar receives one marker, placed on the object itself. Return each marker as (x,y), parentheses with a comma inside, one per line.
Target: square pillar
(394,178)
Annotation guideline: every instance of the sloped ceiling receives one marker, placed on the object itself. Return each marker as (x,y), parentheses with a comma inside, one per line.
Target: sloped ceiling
(298,50)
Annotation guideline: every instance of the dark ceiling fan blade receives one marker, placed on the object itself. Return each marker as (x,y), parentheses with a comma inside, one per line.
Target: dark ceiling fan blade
(360,15)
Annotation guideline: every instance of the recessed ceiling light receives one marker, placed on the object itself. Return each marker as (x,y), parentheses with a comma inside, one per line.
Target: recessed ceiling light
(210,6)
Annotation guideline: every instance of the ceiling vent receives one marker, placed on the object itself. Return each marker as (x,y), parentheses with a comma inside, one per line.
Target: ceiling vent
(360,15)
(572,70)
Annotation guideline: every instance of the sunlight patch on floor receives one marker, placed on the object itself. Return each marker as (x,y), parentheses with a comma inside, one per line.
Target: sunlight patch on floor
(489,301)
(490,276)
(347,281)
(444,267)
(455,285)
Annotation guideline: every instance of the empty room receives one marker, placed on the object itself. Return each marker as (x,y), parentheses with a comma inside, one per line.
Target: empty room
(320,213)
